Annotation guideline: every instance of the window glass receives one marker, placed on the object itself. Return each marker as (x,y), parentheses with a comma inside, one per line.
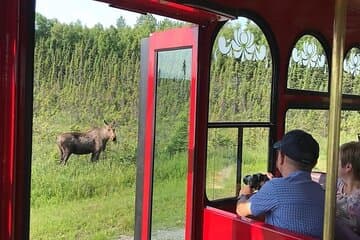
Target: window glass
(241,71)
(308,67)
(316,123)
(351,76)
(255,151)
(350,126)
(171,142)
(224,163)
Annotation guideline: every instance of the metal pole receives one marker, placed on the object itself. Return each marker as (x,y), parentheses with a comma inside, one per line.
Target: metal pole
(334,117)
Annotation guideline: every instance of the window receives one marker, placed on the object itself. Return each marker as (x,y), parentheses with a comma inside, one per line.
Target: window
(239,107)
(316,123)
(351,76)
(241,73)
(171,141)
(308,67)
(226,167)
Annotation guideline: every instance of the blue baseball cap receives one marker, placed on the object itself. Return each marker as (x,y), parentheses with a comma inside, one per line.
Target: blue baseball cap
(299,146)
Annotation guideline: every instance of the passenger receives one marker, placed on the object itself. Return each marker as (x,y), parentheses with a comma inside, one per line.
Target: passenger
(293,202)
(348,186)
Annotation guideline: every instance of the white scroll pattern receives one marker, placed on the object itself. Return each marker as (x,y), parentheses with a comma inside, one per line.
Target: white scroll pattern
(242,47)
(308,56)
(352,64)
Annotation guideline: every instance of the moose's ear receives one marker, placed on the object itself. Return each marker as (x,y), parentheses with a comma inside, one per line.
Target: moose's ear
(105,122)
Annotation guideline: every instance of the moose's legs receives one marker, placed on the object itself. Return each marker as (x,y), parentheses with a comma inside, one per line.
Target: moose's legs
(95,156)
(64,155)
(61,155)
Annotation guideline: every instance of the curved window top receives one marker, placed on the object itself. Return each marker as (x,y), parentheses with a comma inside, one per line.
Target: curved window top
(308,67)
(241,74)
(351,76)
(242,46)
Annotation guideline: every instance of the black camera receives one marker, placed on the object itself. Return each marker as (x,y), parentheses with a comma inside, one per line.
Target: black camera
(256,180)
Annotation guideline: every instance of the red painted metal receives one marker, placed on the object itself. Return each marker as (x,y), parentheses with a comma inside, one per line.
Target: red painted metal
(286,21)
(168,9)
(198,167)
(16,54)
(193,38)
(8,46)
(180,38)
(219,224)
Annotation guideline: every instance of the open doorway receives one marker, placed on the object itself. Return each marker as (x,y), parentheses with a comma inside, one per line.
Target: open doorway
(84,74)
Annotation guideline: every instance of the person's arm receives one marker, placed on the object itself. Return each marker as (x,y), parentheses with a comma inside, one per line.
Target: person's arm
(342,231)
(243,205)
(243,208)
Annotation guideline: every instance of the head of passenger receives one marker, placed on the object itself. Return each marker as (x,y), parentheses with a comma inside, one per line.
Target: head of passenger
(297,150)
(349,165)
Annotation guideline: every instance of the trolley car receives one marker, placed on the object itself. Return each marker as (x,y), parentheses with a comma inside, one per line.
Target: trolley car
(289,34)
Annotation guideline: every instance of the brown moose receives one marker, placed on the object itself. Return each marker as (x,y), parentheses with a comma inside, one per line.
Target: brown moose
(93,141)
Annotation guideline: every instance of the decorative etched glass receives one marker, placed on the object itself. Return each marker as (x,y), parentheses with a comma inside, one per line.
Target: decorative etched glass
(308,67)
(352,62)
(241,74)
(351,74)
(308,56)
(242,46)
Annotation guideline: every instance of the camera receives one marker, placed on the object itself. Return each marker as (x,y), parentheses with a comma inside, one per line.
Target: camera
(255,180)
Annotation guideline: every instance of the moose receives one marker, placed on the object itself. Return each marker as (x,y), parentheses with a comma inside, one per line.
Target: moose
(93,141)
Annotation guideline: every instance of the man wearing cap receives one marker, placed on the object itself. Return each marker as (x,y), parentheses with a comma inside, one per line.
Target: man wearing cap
(293,202)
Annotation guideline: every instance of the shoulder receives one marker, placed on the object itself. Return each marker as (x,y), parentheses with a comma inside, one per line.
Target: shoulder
(275,182)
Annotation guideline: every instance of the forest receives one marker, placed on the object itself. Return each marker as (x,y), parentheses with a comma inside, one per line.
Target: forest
(83,76)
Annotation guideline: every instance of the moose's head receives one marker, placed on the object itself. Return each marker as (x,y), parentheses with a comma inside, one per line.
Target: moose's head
(110,130)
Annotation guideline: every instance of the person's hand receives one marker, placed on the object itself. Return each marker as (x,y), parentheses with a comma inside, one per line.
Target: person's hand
(269,175)
(246,190)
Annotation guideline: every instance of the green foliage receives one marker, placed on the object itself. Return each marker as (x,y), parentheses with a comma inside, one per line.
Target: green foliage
(240,89)
(95,218)
(179,136)
(83,76)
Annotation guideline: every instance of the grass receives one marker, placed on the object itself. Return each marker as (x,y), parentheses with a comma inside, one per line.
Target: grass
(169,205)
(95,218)
(221,163)
(97,201)
(81,200)
(169,189)
(85,200)
(53,183)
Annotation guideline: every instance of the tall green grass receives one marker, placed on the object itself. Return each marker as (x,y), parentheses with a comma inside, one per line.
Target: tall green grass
(82,200)
(85,200)
(222,159)
(93,218)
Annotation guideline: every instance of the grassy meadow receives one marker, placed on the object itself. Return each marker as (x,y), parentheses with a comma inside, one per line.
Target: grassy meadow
(85,200)
(81,200)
